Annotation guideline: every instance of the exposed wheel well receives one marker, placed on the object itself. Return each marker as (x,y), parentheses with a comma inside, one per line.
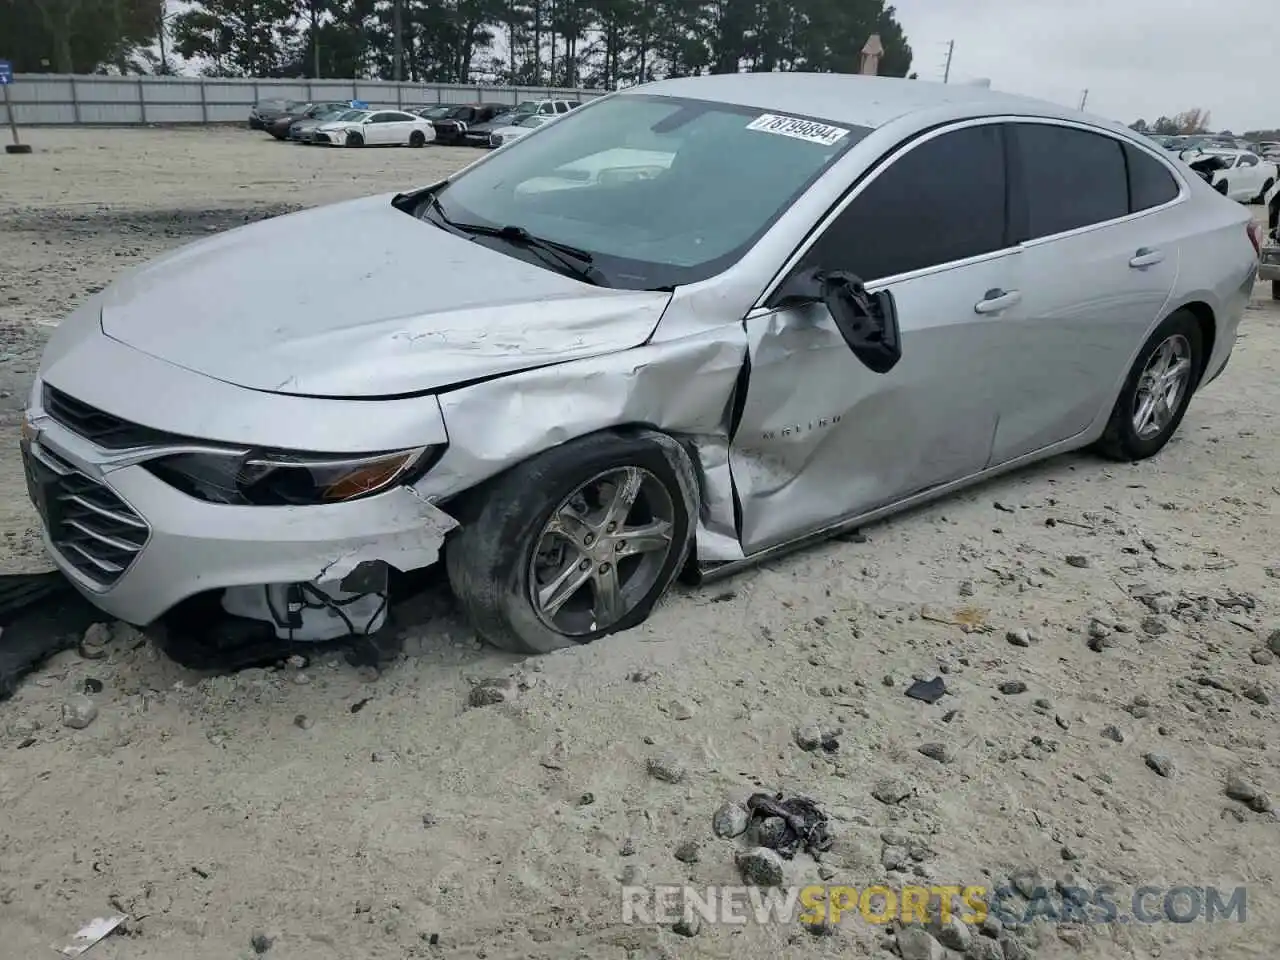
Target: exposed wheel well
(1208,329)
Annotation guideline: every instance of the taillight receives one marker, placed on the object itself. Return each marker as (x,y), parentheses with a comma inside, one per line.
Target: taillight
(1255,236)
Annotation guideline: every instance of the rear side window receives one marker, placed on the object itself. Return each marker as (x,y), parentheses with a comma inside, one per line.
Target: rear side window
(940,202)
(1150,184)
(1071,178)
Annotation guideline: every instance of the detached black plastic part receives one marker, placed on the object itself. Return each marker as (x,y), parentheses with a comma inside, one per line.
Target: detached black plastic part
(41,614)
(17,148)
(868,322)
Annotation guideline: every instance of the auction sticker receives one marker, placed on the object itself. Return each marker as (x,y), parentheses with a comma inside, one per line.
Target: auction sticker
(809,130)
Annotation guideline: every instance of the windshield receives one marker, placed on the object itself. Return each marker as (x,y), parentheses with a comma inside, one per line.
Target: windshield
(436,113)
(350,115)
(660,191)
(534,121)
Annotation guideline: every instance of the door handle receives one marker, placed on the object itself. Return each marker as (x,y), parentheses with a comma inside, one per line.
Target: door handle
(993,301)
(1146,257)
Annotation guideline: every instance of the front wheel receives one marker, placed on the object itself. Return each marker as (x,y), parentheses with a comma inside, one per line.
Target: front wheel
(576,543)
(1221,187)
(355,140)
(1275,289)
(1157,391)
(1262,195)
(417,139)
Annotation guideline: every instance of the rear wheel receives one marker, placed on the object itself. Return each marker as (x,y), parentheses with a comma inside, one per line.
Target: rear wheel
(417,139)
(577,543)
(1156,393)
(355,140)
(1275,289)
(1221,187)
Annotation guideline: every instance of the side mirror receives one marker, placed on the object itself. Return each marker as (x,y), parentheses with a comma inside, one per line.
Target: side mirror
(868,322)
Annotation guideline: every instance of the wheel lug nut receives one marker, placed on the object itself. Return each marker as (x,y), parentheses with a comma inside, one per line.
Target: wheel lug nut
(604,568)
(585,565)
(612,527)
(589,539)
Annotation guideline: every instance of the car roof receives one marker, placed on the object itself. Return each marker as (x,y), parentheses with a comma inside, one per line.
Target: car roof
(849,98)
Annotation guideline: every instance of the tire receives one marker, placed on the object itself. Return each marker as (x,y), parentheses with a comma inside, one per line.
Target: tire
(355,140)
(493,561)
(1275,289)
(1221,187)
(1262,196)
(1121,440)
(417,139)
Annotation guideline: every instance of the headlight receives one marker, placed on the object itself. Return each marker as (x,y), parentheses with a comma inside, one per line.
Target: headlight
(277,478)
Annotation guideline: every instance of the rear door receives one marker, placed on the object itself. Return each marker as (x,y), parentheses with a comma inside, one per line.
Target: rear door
(1098,264)
(400,126)
(821,436)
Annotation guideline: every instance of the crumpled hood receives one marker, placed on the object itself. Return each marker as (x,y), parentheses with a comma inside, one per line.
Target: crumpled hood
(358,299)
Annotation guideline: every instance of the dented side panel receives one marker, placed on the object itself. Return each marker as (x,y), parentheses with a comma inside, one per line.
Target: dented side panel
(683,387)
(822,437)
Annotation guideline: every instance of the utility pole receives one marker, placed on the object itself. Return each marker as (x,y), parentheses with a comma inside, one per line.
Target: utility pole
(1084,98)
(397,27)
(946,71)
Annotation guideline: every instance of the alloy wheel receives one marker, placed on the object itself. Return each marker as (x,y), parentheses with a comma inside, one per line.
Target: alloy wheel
(1161,386)
(601,551)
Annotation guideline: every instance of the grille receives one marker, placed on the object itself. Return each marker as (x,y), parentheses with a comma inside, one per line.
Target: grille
(106,430)
(97,532)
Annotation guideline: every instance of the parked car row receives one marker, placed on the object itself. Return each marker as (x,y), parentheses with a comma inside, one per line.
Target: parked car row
(356,124)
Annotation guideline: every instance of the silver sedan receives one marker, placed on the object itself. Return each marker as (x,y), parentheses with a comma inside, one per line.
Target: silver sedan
(683,329)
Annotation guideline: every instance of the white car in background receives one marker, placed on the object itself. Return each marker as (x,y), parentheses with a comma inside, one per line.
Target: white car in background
(1244,176)
(525,125)
(376,128)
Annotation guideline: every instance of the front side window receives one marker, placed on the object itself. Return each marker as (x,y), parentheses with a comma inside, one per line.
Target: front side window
(659,190)
(942,201)
(1071,178)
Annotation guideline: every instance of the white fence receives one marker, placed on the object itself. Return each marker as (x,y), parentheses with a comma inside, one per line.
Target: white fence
(44,99)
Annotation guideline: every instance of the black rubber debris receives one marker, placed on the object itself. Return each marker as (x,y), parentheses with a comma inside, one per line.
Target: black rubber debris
(806,825)
(40,614)
(929,691)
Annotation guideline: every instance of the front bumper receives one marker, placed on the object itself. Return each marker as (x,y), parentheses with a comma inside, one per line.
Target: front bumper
(135,546)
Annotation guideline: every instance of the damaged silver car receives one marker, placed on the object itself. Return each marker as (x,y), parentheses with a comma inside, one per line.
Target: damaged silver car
(775,307)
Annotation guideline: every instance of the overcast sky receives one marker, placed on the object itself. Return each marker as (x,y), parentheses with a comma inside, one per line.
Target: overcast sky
(1137,58)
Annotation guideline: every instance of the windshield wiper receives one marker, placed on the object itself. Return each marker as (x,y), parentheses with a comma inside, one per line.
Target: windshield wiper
(577,263)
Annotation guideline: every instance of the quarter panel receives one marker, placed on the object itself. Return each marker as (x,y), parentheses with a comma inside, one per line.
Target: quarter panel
(684,387)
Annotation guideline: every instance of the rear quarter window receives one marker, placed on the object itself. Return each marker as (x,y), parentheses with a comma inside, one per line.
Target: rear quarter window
(1150,184)
(1071,178)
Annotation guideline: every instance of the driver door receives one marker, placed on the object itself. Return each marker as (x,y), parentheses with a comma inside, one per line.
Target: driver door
(821,436)
(376,128)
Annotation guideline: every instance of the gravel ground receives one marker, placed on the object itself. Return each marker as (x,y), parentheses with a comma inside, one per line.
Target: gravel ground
(1105,633)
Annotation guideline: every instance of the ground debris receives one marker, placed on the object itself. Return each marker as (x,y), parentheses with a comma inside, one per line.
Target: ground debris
(805,824)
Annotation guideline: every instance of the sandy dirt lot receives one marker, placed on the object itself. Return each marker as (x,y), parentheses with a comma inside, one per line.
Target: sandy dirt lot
(1092,622)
